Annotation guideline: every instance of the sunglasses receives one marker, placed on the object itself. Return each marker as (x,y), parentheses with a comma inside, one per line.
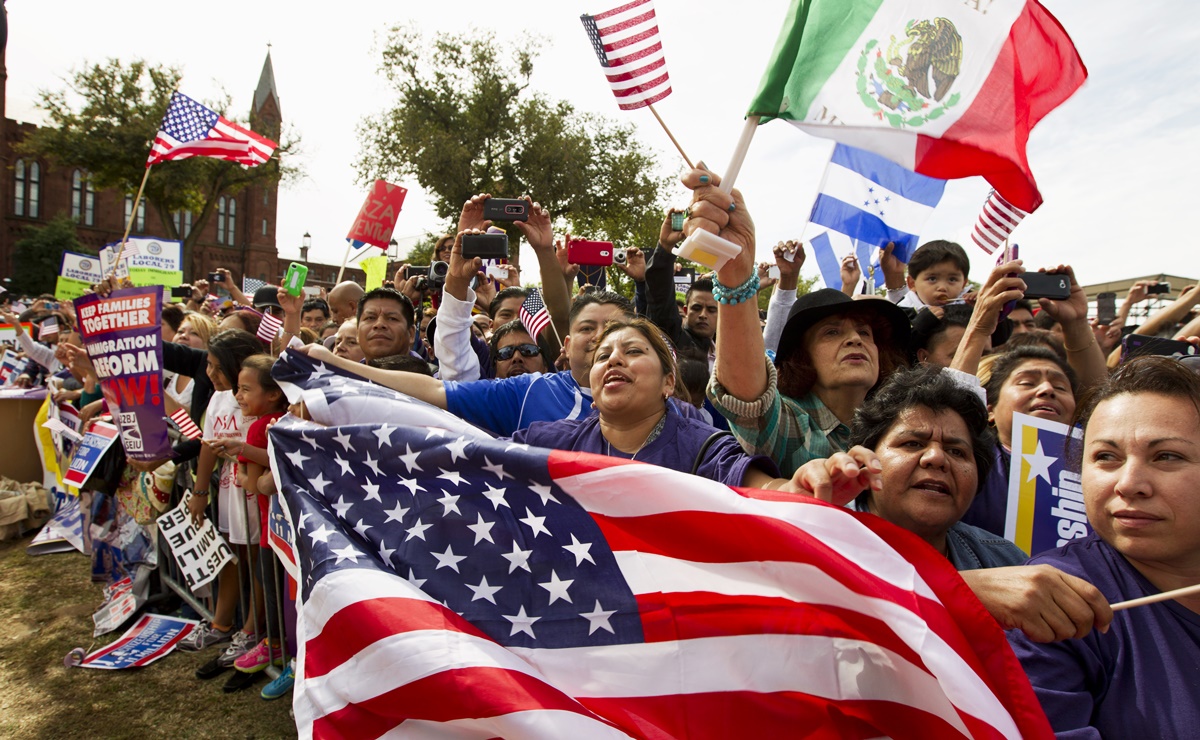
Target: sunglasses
(526,350)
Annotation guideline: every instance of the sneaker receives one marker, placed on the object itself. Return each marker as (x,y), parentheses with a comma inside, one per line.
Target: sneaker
(211,669)
(239,681)
(259,658)
(204,635)
(239,645)
(280,686)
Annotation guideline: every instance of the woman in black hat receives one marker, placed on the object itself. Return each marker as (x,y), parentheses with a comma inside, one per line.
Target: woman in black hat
(832,352)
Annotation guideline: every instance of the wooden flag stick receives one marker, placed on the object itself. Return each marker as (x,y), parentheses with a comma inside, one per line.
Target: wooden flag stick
(345,257)
(129,224)
(1164,596)
(671,136)
(739,154)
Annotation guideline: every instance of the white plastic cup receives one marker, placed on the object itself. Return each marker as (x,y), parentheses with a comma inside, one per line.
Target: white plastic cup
(708,249)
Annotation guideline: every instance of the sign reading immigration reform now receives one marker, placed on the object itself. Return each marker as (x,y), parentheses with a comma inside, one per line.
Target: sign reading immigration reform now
(1045,497)
(123,337)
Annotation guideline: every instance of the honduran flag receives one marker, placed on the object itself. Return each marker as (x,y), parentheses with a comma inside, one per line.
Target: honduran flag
(948,93)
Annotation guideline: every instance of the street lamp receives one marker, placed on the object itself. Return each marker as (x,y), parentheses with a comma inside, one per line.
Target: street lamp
(305,243)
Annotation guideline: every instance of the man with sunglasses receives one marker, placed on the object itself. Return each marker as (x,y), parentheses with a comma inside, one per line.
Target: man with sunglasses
(514,352)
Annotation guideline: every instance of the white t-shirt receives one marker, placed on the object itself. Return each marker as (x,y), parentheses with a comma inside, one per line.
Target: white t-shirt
(237,513)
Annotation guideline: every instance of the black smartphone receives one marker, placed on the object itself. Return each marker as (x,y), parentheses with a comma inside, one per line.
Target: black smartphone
(505,209)
(183,291)
(1050,285)
(1136,345)
(214,278)
(1159,288)
(1106,308)
(487,246)
(413,271)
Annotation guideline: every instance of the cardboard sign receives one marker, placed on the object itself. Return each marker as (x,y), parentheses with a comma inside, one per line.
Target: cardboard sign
(377,217)
(8,332)
(684,279)
(87,455)
(119,604)
(200,552)
(123,337)
(153,261)
(64,531)
(1045,497)
(76,275)
(149,639)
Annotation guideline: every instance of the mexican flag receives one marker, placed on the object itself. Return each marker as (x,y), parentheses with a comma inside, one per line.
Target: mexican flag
(946,89)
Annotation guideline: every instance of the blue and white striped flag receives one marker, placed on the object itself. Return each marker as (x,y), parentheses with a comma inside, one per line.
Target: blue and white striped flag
(875,201)
(831,247)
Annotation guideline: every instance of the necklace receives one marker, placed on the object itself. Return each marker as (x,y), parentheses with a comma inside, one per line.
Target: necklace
(657,430)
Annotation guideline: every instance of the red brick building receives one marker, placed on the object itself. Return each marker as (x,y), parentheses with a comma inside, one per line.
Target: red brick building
(239,236)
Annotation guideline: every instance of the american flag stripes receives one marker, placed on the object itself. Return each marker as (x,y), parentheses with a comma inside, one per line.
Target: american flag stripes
(455,584)
(996,222)
(190,129)
(627,43)
(187,427)
(534,314)
(48,328)
(269,327)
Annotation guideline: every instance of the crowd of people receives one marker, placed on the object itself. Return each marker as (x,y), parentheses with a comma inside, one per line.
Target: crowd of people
(899,406)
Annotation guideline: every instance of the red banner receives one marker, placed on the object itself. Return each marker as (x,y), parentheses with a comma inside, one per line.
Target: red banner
(377,218)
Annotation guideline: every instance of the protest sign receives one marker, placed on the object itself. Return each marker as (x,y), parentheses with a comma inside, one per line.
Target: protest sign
(119,604)
(200,552)
(8,366)
(108,255)
(375,269)
(149,639)
(8,332)
(1045,497)
(122,336)
(153,261)
(87,455)
(64,531)
(282,538)
(377,218)
(76,275)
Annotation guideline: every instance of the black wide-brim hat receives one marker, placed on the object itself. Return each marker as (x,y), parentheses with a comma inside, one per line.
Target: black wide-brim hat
(819,304)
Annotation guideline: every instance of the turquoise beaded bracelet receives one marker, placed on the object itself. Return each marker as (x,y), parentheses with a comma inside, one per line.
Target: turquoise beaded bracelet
(734,296)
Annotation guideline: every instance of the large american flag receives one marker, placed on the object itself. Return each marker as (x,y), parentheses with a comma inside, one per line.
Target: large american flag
(627,43)
(996,222)
(190,129)
(534,314)
(456,585)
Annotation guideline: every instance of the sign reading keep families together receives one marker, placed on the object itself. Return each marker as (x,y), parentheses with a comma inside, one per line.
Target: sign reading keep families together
(122,335)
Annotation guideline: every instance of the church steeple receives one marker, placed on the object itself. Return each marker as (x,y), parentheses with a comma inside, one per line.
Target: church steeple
(266,116)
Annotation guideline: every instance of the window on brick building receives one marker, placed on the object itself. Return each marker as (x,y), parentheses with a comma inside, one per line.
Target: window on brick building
(19,181)
(183,223)
(264,227)
(266,197)
(139,224)
(231,224)
(33,199)
(221,220)
(83,198)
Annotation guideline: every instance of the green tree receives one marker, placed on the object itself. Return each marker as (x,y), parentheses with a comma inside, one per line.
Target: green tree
(120,107)
(38,256)
(465,122)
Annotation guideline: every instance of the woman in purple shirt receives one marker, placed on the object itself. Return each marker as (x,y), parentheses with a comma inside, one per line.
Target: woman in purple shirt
(1141,461)
(633,374)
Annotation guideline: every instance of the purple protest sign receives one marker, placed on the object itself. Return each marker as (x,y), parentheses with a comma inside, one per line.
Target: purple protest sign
(123,336)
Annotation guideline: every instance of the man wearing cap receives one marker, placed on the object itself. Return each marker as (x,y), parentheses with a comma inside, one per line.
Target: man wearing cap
(266,300)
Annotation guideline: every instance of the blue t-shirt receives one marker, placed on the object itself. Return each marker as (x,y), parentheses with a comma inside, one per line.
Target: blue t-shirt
(675,448)
(990,508)
(1141,680)
(504,406)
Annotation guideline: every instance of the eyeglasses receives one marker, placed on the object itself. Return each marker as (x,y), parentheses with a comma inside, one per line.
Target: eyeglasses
(526,350)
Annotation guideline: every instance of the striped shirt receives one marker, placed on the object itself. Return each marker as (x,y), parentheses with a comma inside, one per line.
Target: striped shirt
(791,431)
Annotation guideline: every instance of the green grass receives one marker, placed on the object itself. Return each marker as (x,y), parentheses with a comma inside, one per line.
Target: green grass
(46,604)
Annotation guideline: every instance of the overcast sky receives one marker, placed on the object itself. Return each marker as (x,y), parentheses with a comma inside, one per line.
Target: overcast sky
(1113,162)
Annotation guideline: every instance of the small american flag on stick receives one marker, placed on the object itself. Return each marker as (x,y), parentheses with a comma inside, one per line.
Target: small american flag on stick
(626,41)
(48,329)
(534,314)
(269,327)
(187,427)
(190,129)
(996,223)
(250,285)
